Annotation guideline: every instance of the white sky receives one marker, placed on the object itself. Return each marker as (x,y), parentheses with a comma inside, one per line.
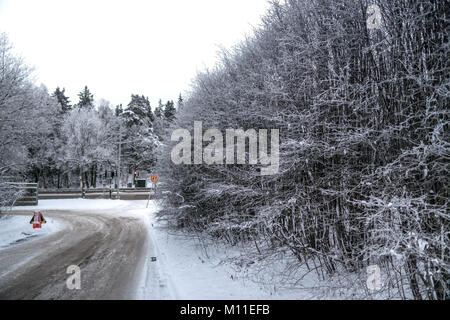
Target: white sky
(117,48)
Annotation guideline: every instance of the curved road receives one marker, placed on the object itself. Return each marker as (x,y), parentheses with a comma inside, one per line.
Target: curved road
(109,249)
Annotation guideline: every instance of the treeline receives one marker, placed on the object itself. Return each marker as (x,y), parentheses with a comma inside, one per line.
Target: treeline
(45,138)
(85,141)
(364,143)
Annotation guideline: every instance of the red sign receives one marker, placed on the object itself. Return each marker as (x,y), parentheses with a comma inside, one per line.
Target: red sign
(37,220)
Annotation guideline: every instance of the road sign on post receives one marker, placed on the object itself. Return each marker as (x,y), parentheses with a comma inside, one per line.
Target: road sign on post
(154,179)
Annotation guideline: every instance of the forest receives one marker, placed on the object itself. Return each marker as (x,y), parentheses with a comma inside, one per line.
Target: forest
(48,140)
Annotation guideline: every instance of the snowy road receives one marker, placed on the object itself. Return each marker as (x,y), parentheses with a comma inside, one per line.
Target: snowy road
(113,242)
(109,249)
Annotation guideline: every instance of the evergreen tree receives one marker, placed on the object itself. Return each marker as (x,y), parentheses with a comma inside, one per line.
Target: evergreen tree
(139,111)
(159,109)
(170,111)
(62,99)
(86,99)
(139,153)
(119,110)
(180,102)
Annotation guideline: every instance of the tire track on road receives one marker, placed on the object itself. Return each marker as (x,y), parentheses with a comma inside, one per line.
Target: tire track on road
(108,249)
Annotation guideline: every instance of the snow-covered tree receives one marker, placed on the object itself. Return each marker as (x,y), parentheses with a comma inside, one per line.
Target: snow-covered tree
(363,115)
(139,111)
(180,102)
(26,116)
(169,111)
(159,111)
(62,99)
(140,139)
(89,142)
(86,99)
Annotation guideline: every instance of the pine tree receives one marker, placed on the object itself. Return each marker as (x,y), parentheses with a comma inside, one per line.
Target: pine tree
(62,99)
(170,111)
(180,102)
(159,109)
(86,99)
(139,111)
(119,110)
(139,151)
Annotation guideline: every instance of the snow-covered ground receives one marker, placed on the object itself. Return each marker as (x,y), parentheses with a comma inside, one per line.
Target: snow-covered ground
(199,271)
(80,204)
(16,229)
(186,268)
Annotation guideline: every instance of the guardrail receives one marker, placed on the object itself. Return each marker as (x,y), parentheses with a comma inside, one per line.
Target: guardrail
(92,190)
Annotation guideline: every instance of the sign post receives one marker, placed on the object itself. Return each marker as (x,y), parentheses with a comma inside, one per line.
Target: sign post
(154,179)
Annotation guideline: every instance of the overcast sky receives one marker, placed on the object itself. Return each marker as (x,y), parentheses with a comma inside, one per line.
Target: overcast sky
(152,47)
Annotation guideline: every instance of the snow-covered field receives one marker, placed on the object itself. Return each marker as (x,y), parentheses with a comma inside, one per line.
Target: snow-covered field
(186,268)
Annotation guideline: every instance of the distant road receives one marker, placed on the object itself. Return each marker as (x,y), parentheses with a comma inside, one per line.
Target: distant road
(109,248)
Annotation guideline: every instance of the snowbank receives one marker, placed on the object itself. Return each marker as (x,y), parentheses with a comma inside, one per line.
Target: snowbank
(193,271)
(16,229)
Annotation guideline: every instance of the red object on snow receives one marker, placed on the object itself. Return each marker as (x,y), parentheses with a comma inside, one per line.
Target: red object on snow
(37,220)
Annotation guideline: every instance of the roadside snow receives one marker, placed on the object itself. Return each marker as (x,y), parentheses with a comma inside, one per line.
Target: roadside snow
(192,271)
(16,229)
(79,204)
(184,268)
